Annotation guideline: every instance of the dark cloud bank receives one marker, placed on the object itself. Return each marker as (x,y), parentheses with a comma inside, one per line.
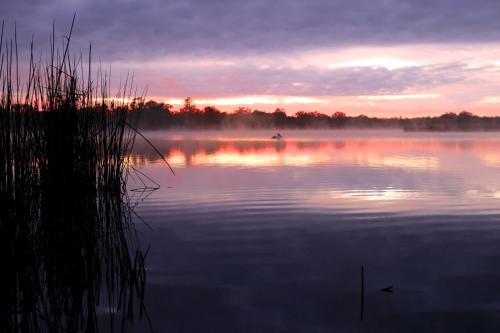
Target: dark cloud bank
(153,28)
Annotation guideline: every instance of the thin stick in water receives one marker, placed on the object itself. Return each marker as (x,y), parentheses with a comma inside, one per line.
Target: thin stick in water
(362,304)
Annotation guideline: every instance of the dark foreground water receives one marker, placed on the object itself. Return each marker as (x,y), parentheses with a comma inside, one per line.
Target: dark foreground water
(256,235)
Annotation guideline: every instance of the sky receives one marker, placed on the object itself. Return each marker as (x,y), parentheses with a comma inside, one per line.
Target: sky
(377,57)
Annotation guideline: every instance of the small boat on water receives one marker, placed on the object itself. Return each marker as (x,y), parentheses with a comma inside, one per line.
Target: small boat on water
(278,136)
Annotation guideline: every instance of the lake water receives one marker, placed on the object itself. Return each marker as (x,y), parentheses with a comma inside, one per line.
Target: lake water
(258,235)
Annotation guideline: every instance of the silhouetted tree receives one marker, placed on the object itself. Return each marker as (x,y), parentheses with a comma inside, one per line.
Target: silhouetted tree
(339,119)
(189,106)
(159,115)
(153,115)
(212,116)
(280,118)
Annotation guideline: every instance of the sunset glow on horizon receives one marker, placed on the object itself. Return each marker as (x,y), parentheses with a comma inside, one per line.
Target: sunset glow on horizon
(404,80)
(395,58)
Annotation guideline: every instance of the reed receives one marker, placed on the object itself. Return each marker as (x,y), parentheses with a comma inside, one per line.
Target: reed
(68,248)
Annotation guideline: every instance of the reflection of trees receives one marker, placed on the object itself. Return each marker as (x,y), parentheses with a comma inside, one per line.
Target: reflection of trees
(189,148)
(142,153)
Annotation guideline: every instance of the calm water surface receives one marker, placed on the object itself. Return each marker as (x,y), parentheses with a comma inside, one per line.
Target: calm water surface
(258,235)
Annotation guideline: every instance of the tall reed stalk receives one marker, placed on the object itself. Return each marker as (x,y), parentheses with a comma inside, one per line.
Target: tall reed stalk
(68,249)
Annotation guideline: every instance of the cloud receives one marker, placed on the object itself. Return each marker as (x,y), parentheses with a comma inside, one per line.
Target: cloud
(314,50)
(148,28)
(489,100)
(398,97)
(262,100)
(241,80)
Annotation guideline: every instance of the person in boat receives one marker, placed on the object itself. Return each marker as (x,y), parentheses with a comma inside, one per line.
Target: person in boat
(277,136)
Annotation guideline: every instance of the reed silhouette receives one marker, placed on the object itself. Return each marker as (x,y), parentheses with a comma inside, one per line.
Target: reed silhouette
(71,260)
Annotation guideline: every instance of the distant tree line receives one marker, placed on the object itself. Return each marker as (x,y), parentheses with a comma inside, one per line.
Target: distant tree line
(154,115)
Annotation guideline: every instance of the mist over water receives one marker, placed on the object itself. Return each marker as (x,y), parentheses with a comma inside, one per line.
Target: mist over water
(260,235)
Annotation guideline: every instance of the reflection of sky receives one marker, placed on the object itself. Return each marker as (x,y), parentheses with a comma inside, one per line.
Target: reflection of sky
(277,232)
(390,174)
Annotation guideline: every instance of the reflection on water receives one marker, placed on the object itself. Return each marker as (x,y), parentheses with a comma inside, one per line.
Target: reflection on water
(237,154)
(441,173)
(257,235)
